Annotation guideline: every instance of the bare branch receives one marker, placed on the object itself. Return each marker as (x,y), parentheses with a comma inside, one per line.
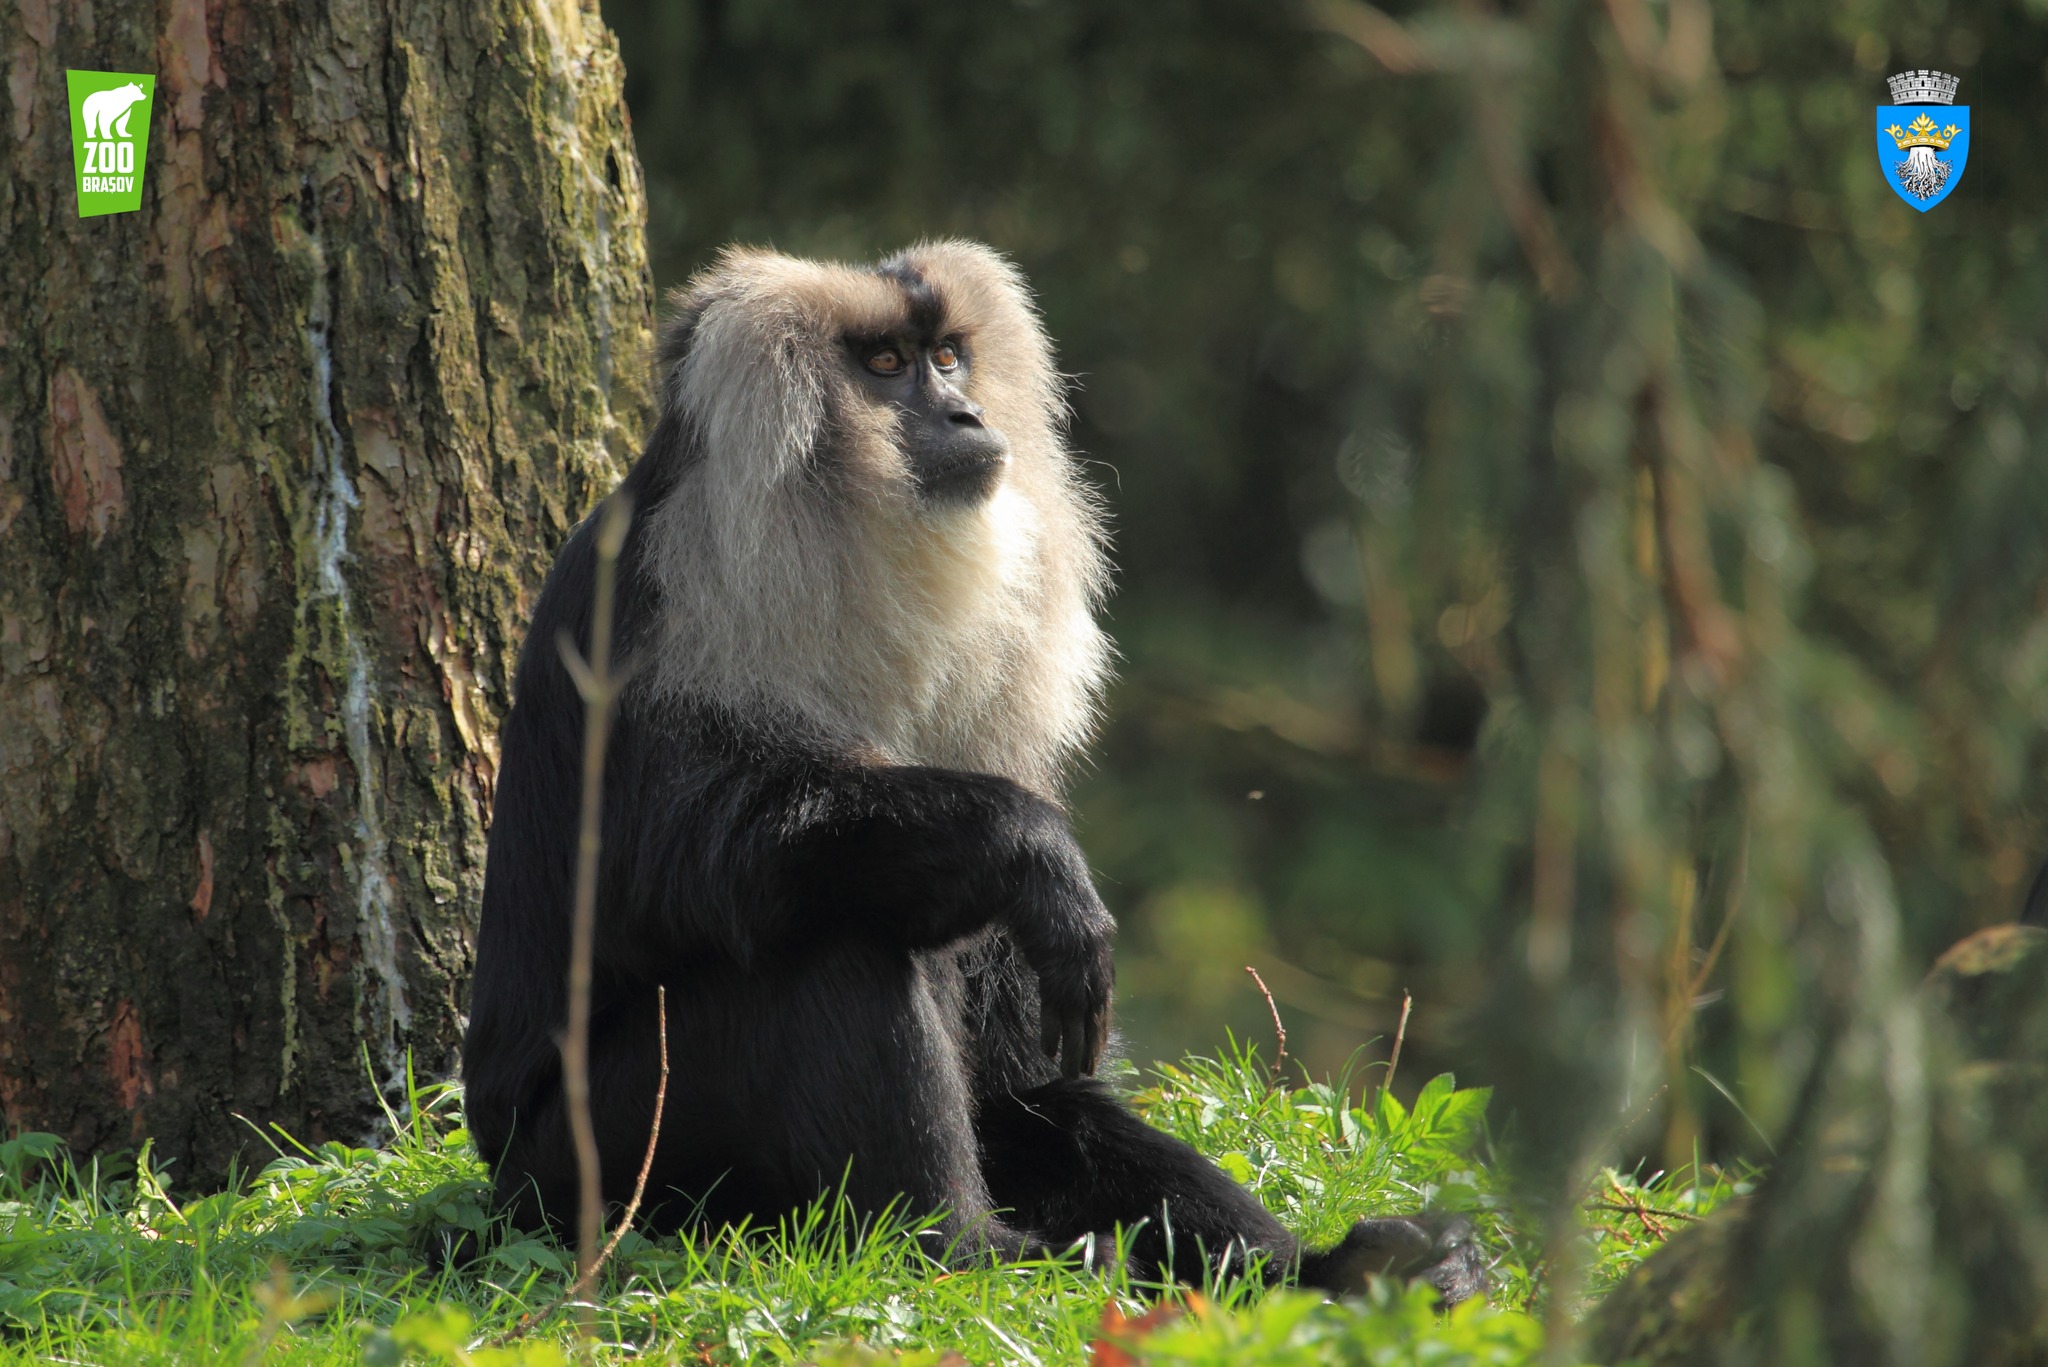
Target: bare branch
(600,692)
(580,673)
(1379,33)
(647,1161)
(585,1280)
(1279,1030)
(1400,1035)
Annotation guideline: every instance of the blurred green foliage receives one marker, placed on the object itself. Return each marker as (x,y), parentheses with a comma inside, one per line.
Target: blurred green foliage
(1584,541)
(1301,320)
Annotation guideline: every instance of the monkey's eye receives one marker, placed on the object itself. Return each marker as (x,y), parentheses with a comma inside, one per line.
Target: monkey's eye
(887,361)
(946,356)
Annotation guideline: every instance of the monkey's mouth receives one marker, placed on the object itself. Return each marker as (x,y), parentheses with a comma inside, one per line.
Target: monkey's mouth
(964,466)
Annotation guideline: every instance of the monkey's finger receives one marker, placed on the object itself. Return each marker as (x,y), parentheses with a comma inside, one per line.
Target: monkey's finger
(1074,1048)
(1098,1039)
(1048,1028)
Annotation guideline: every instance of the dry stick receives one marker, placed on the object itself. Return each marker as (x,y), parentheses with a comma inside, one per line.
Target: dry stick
(1380,34)
(1639,1210)
(1394,1058)
(1279,1030)
(1632,1203)
(1737,884)
(599,686)
(581,1285)
(611,1245)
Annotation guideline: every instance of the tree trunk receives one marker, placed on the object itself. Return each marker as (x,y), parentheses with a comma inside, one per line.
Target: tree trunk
(283,458)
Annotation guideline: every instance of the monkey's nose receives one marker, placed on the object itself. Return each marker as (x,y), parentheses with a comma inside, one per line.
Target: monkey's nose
(966,417)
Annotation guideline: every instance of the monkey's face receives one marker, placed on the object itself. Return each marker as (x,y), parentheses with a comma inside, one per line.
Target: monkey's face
(948,444)
(923,384)
(867,510)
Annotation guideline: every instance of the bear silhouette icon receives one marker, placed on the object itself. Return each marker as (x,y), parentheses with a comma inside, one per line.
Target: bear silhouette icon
(107,111)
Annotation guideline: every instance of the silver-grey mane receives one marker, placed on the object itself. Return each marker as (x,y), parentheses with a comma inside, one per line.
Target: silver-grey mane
(800,574)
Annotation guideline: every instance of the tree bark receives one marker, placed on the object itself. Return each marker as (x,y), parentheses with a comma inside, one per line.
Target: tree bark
(283,459)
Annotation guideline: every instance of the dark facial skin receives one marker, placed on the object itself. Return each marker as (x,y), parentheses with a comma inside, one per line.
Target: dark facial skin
(956,456)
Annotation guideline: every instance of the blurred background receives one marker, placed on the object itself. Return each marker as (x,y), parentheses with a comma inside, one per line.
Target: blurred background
(1573,520)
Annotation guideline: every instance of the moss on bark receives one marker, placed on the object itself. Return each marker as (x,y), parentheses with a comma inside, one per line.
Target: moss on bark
(283,458)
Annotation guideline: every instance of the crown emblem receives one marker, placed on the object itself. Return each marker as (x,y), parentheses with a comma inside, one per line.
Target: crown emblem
(1922,87)
(1929,157)
(1922,133)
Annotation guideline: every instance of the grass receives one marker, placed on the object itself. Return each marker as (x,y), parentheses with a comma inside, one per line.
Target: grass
(322,1257)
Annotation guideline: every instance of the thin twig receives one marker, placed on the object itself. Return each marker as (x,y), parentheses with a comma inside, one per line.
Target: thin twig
(1638,1209)
(581,1286)
(1737,885)
(1632,1203)
(1279,1030)
(1386,38)
(611,1245)
(599,687)
(1400,1034)
(1500,133)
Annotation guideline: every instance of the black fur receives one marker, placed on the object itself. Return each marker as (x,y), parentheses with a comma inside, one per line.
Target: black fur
(927,311)
(856,957)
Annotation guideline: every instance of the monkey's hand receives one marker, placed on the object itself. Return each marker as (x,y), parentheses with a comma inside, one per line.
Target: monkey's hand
(923,857)
(1073,1004)
(1064,932)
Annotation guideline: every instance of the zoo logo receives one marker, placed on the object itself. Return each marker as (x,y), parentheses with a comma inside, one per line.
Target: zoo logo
(109,138)
(1935,149)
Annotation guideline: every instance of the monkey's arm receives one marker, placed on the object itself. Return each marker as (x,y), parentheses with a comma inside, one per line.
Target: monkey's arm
(761,851)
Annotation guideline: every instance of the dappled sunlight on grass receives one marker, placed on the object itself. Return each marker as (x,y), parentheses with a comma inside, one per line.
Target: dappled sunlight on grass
(336,1254)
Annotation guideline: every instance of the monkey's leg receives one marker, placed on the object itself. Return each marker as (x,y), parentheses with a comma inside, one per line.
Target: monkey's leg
(536,1176)
(1070,1159)
(837,1067)
(857,1077)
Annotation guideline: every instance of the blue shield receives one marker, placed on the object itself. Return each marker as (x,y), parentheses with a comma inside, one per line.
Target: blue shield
(1922,148)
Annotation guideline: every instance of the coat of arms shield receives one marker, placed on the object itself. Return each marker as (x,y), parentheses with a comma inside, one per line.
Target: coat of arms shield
(1923,137)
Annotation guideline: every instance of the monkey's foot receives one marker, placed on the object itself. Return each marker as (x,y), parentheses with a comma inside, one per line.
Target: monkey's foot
(1439,1249)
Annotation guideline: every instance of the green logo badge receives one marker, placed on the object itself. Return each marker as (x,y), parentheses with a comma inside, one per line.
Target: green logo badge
(109,137)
